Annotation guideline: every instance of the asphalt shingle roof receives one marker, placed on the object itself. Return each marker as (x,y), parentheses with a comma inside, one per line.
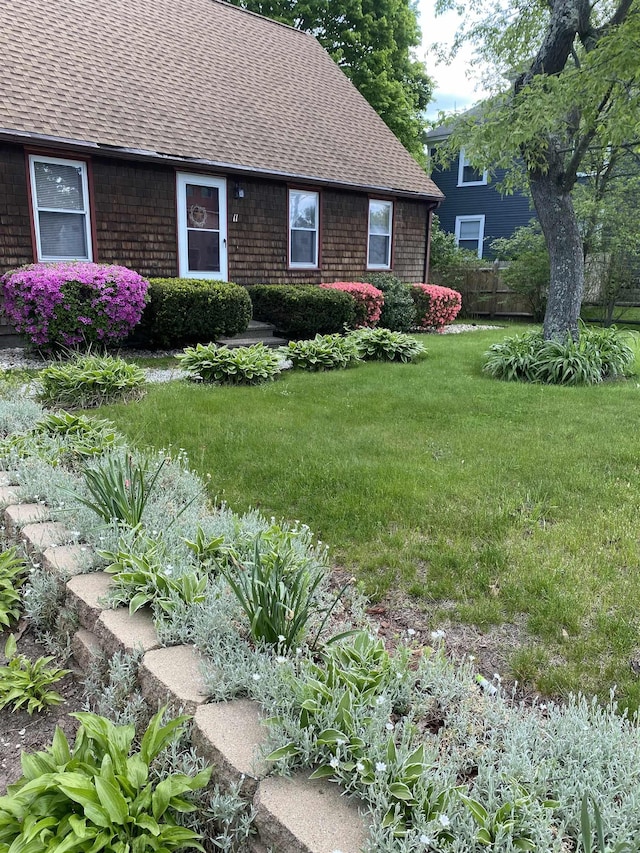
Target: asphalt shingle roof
(198,79)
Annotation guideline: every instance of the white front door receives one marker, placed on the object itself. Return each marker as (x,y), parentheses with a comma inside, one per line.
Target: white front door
(202,226)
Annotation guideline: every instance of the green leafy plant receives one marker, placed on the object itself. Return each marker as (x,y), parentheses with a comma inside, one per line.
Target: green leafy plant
(507,821)
(27,684)
(100,795)
(385,345)
(119,487)
(515,358)
(240,366)
(88,381)
(12,575)
(528,270)
(277,589)
(301,311)
(398,312)
(587,831)
(145,578)
(184,310)
(324,352)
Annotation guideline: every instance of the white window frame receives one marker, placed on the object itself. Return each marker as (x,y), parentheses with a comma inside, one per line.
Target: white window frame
(297,265)
(388,204)
(462,162)
(182,179)
(475,218)
(36,209)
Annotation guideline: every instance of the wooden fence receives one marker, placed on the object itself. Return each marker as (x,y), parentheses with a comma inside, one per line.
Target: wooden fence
(484,294)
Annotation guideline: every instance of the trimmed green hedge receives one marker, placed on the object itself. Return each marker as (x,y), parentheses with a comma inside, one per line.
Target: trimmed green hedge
(300,311)
(186,310)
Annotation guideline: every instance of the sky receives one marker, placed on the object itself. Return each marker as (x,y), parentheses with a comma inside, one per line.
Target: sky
(456,90)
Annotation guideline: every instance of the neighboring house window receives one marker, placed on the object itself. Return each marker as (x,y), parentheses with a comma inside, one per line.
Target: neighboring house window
(304,215)
(202,226)
(470,233)
(468,176)
(60,197)
(380,226)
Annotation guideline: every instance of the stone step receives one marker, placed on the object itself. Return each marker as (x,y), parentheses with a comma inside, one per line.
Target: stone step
(257,332)
(249,342)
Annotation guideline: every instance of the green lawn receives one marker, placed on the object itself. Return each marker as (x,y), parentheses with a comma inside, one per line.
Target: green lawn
(482,500)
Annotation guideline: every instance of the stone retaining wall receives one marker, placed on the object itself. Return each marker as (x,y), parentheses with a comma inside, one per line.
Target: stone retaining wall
(293,815)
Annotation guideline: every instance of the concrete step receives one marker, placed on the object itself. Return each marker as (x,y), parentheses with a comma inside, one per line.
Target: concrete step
(257,332)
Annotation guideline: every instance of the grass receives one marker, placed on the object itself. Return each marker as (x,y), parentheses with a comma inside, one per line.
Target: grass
(480,499)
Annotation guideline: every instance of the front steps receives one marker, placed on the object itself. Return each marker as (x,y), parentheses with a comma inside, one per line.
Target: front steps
(256,333)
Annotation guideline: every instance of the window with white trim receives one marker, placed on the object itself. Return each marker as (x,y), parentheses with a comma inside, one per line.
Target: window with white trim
(468,175)
(470,233)
(304,216)
(61,216)
(380,229)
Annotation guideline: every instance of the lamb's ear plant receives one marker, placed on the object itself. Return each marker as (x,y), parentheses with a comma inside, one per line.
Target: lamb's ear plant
(12,575)
(26,684)
(100,795)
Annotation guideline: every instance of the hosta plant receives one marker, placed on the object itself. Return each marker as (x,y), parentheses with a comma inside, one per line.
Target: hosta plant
(88,381)
(384,345)
(27,684)
(99,794)
(324,352)
(12,574)
(239,366)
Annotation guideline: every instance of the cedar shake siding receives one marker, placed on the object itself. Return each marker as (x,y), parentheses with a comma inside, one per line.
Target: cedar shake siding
(15,223)
(133,206)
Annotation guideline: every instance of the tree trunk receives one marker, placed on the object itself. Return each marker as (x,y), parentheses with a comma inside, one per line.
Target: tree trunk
(560,228)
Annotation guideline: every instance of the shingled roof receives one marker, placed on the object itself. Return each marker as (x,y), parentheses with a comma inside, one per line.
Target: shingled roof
(197,79)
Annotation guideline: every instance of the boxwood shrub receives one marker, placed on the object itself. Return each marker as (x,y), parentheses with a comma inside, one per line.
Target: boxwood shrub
(186,310)
(300,311)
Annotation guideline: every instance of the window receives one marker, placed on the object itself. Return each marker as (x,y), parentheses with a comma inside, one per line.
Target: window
(303,228)
(202,226)
(380,224)
(60,198)
(470,233)
(468,176)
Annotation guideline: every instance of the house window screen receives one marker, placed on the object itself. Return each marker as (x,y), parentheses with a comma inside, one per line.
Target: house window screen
(303,228)
(468,175)
(380,226)
(59,192)
(470,233)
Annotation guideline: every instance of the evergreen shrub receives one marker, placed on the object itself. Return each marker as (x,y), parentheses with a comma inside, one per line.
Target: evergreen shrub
(398,312)
(300,311)
(184,310)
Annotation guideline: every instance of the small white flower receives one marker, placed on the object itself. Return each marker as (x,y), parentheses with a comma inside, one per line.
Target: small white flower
(281,659)
(281,638)
(380,766)
(298,651)
(472,658)
(438,635)
(256,676)
(340,742)
(335,762)
(496,677)
(380,700)
(424,839)
(389,726)
(444,820)
(360,767)
(411,632)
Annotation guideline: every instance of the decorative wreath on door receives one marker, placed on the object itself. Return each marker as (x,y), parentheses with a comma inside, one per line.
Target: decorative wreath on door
(197,216)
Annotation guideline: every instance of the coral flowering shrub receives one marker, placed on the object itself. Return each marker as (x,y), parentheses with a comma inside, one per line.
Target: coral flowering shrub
(369,300)
(435,305)
(67,304)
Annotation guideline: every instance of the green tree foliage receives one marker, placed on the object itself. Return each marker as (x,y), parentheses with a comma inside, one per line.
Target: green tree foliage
(528,270)
(575,92)
(372,41)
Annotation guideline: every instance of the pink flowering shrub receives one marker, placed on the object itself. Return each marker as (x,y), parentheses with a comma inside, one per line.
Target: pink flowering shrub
(435,305)
(369,300)
(67,304)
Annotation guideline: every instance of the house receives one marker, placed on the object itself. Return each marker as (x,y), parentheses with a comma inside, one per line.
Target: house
(474,209)
(192,138)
